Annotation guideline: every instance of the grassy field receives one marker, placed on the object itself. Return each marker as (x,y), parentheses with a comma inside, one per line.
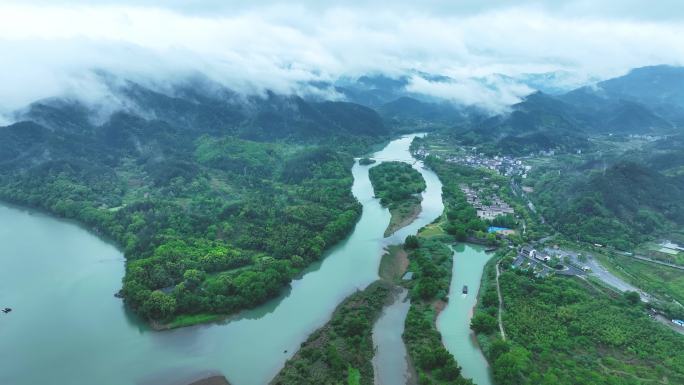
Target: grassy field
(662,281)
(655,250)
(393,264)
(192,319)
(433,230)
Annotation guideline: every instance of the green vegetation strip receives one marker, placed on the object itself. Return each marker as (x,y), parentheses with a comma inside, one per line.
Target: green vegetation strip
(342,350)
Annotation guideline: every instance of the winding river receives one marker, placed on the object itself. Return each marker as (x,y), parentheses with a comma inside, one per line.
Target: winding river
(454,321)
(68,328)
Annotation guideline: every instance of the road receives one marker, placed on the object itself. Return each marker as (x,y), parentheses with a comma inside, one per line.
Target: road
(603,274)
(597,270)
(680,267)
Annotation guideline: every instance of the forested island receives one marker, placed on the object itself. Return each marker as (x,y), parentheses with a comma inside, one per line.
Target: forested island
(398,185)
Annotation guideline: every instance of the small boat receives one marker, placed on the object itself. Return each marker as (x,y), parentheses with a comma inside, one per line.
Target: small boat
(6,310)
(465,289)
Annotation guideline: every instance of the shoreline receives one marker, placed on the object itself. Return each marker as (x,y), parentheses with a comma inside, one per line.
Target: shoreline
(399,220)
(393,264)
(213,380)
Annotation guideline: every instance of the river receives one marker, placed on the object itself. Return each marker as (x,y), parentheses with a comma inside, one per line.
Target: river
(454,321)
(68,328)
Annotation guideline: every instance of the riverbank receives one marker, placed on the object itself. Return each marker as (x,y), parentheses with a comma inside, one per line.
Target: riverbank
(431,263)
(213,380)
(341,350)
(403,215)
(454,323)
(393,264)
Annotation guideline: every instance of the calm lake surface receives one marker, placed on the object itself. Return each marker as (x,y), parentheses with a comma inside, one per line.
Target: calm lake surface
(454,321)
(68,328)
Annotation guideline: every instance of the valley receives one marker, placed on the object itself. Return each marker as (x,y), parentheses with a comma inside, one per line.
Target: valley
(350,265)
(341,192)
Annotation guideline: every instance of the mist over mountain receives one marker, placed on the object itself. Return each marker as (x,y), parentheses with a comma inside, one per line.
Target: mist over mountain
(614,106)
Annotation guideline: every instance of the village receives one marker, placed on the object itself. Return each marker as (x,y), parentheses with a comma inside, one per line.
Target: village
(503,165)
(489,208)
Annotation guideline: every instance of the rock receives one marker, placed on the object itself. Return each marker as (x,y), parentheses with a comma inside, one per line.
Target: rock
(213,380)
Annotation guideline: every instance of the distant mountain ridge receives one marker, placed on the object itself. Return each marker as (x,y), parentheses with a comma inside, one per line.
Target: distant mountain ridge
(647,100)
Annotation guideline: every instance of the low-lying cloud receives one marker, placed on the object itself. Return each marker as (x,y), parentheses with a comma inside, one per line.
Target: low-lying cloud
(51,48)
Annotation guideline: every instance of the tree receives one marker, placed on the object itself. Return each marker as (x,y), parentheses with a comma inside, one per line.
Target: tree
(427,288)
(510,367)
(159,306)
(193,278)
(632,297)
(411,242)
(483,323)
(498,348)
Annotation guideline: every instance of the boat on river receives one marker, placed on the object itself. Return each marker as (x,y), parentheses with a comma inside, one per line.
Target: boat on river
(465,289)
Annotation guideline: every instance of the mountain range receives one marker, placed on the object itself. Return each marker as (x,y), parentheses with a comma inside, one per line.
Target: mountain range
(647,100)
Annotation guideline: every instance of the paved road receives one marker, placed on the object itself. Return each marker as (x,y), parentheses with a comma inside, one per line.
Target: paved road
(600,272)
(611,279)
(669,324)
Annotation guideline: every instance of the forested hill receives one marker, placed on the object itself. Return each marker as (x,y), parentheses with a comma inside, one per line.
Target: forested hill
(621,205)
(208,108)
(217,199)
(647,100)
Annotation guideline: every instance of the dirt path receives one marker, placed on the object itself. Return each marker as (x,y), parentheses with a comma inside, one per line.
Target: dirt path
(498,291)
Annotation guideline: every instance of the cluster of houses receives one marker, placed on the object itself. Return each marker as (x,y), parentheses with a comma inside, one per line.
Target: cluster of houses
(504,165)
(486,211)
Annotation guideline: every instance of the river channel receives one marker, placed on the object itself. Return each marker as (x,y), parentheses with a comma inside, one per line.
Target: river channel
(68,328)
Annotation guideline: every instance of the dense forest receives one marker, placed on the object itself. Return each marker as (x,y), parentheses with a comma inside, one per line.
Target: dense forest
(562,331)
(212,217)
(621,204)
(398,185)
(341,351)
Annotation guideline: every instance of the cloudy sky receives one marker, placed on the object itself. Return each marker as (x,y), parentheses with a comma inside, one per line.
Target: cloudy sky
(50,46)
